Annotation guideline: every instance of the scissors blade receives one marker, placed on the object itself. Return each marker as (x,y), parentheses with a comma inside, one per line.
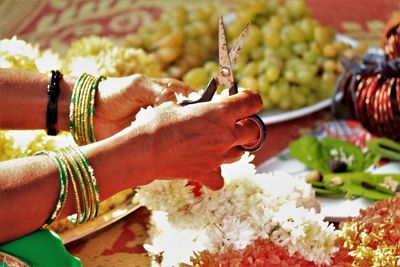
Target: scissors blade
(237,46)
(225,75)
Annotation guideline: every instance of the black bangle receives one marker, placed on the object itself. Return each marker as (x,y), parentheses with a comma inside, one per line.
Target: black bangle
(53,90)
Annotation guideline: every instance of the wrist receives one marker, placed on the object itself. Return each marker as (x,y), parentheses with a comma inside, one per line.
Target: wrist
(122,161)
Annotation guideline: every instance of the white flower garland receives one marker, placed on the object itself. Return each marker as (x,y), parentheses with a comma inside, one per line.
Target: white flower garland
(250,206)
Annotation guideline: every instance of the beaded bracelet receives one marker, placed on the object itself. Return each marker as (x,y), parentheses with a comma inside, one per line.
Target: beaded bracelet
(82,108)
(73,166)
(53,90)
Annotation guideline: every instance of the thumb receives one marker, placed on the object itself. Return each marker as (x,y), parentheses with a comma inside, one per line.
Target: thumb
(213,180)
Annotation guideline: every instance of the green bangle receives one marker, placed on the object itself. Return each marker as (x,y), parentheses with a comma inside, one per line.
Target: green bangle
(78,176)
(73,106)
(82,114)
(90,200)
(82,108)
(92,178)
(94,88)
(62,198)
(77,217)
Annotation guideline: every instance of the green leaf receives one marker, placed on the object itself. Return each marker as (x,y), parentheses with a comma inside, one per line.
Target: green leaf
(353,184)
(361,176)
(353,154)
(328,190)
(384,148)
(309,151)
(358,190)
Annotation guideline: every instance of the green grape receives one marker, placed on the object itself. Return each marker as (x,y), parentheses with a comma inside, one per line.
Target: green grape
(340,46)
(251,69)
(329,51)
(304,76)
(284,86)
(300,94)
(322,35)
(329,77)
(235,28)
(297,97)
(288,56)
(290,75)
(271,38)
(275,24)
(296,35)
(273,72)
(273,6)
(240,63)
(283,12)
(275,94)
(330,65)
(248,82)
(294,63)
(254,38)
(307,27)
(325,90)
(310,57)
(257,53)
(299,48)
(285,36)
(297,8)
(284,52)
(196,78)
(263,85)
(212,68)
(267,103)
(285,102)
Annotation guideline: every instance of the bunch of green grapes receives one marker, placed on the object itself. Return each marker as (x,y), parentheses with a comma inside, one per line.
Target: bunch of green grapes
(183,38)
(288,56)
(101,56)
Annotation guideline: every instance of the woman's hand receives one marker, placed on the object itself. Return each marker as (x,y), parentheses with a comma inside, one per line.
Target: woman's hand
(192,141)
(119,99)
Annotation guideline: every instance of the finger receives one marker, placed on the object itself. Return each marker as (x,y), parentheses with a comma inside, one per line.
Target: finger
(233,155)
(243,104)
(175,86)
(165,96)
(213,180)
(246,132)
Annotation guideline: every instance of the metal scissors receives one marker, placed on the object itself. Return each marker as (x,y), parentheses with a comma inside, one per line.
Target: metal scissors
(225,76)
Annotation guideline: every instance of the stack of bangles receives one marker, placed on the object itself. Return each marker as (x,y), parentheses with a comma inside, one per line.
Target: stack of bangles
(73,166)
(82,109)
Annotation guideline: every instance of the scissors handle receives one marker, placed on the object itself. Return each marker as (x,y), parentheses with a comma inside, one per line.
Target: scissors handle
(206,96)
(262,131)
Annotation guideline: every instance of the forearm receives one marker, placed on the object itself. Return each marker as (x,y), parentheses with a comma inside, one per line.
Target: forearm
(29,187)
(23,100)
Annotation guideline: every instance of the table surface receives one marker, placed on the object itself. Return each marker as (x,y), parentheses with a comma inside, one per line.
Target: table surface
(121,244)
